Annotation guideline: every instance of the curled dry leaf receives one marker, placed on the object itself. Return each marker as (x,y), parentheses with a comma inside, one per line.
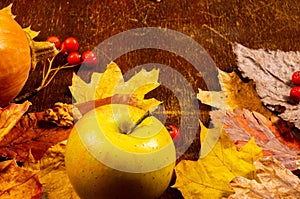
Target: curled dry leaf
(211,175)
(17,182)
(274,181)
(271,72)
(242,125)
(52,173)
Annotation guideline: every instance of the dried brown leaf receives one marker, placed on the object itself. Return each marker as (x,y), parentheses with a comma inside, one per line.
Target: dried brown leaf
(271,72)
(31,134)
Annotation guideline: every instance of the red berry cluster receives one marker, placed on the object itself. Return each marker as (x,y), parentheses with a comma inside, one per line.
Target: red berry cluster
(295,91)
(70,48)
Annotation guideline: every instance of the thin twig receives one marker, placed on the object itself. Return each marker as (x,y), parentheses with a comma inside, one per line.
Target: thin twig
(44,68)
(50,79)
(48,75)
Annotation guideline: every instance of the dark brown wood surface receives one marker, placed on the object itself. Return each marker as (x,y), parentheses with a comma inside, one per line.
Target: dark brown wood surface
(214,24)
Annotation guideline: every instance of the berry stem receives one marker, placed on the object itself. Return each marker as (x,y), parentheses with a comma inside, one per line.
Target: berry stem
(48,74)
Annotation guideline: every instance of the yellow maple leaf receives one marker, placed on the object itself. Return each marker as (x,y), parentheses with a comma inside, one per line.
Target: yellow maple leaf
(111,83)
(234,94)
(111,78)
(211,175)
(82,91)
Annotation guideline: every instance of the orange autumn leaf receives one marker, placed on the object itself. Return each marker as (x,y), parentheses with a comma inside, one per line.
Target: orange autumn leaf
(17,182)
(241,125)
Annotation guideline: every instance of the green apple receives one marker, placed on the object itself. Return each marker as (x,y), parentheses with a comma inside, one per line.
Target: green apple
(118,151)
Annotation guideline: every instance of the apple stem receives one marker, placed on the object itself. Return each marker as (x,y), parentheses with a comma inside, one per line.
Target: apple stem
(147,114)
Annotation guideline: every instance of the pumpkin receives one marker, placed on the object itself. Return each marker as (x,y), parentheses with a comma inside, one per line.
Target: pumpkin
(15,58)
(19,54)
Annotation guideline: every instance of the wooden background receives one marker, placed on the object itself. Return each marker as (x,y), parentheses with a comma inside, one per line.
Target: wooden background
(214,24)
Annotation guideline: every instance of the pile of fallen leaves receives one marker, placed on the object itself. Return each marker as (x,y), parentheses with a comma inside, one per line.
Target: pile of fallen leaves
(248,151)
(242,156)
(28,140)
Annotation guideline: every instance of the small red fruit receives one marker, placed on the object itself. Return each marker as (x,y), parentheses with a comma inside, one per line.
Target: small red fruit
(174,131)
(74,58)
(296,77)
(89,58)
(55,40)
(295,94)
(70,45)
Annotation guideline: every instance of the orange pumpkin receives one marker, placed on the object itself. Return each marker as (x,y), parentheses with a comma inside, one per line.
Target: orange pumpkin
(15,58)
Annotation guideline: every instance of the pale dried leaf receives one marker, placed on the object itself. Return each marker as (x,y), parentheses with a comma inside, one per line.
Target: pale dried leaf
(274,182)
(215,99)
(271,72)
(138,81)
(146,104)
